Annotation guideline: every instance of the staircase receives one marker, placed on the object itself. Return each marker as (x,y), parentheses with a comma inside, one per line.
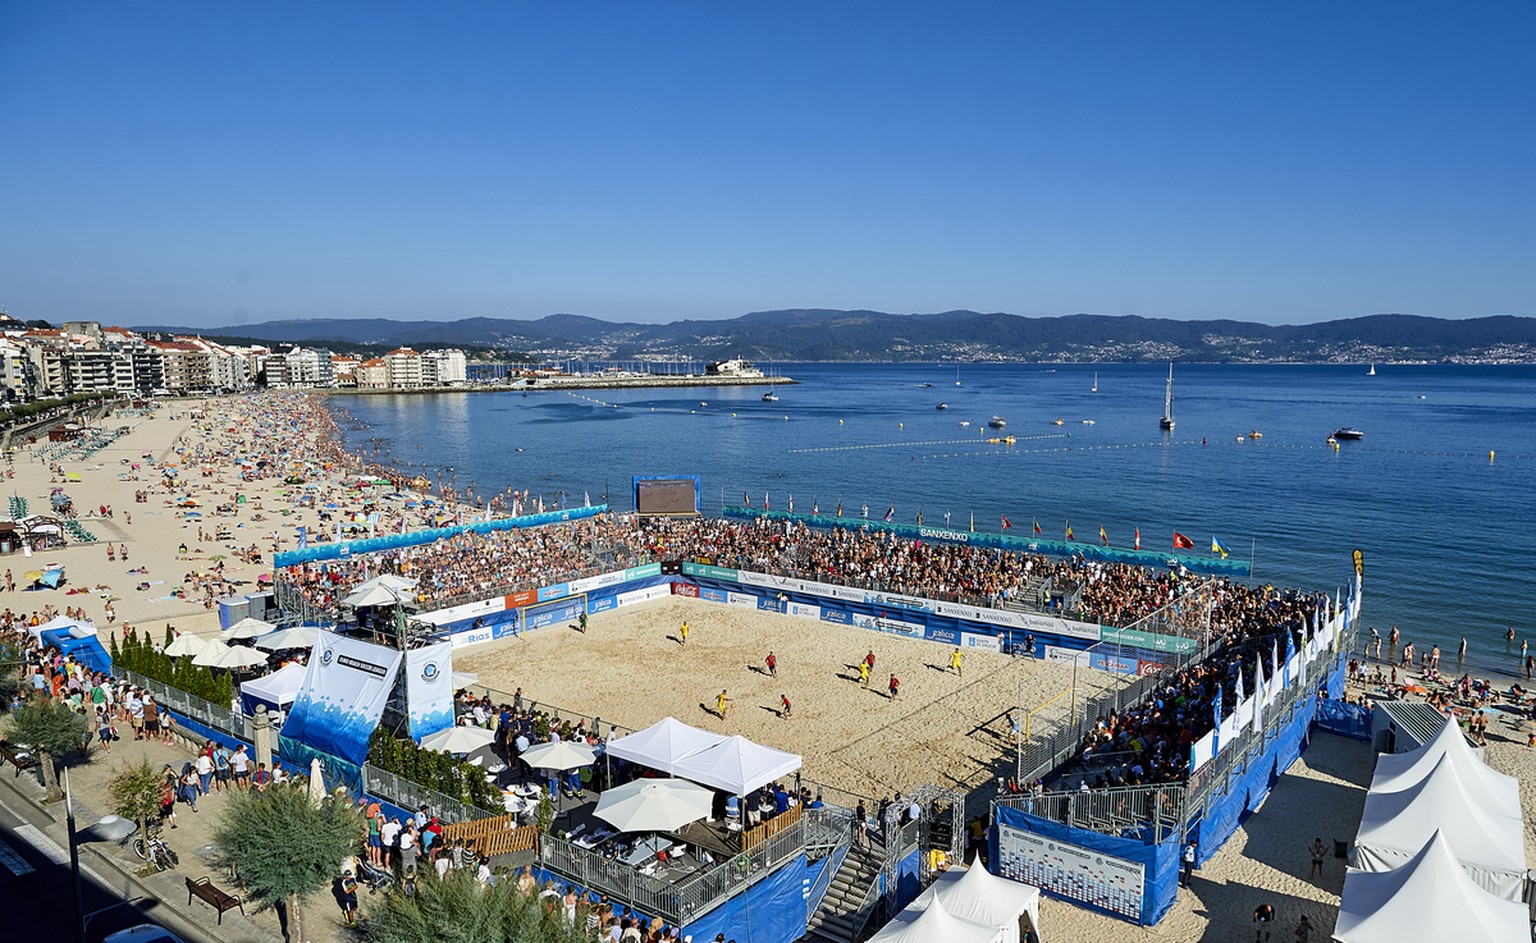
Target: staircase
(851,899)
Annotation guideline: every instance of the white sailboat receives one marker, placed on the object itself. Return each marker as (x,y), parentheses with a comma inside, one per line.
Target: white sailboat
(1095,387)
(1371,372)
(957,376)
(1166,423)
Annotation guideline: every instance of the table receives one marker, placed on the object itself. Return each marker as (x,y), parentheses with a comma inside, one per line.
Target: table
(514,804)
(646,849)
(527,790)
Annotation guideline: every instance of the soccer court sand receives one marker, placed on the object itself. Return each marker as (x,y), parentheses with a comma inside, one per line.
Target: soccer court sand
(632,669)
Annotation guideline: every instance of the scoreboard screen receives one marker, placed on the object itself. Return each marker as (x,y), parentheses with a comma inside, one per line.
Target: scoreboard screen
(667,495)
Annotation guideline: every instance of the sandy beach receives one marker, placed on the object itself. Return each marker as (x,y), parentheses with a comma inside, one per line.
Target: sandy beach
(630,669)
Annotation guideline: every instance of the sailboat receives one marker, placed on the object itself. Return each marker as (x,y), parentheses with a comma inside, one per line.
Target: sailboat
(1095,387)
(1371,372)
(957,376)
(1166,423)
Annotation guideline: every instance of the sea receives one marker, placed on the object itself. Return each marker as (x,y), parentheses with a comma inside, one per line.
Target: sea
(1438,494)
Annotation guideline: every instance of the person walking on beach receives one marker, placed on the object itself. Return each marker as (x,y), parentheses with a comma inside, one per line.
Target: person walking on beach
(1318,852)
(1263,916)
(773,665)
(1434,657)
(682,634)
(784,706)
(1392,638)
(1376,641)
(722,702)
(1304,930)
(954,663)
(1189,863)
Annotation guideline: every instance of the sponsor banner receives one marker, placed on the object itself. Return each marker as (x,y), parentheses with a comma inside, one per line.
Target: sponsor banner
(887,624)
(342,697)
(504,629)
(1092,877)
(473,636)
(472,610)
(945,636)
(741,599)
(557,591)
(565,610)
(643,595)
(429,689)
(588,583)
(870,597)
(525,598)
(1058,653)
(989,642)
(802,610)
(944,534)
(841,617)
(1118,664)
(710,594)
(770,605)
(711,572)
(596,604)
(643,571)
(1144,667)
(691,590)
(1028,621)
(1150,641)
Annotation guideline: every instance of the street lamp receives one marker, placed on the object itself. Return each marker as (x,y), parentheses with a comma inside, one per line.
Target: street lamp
(108,828)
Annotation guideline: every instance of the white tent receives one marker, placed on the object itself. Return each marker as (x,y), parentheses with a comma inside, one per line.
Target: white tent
(1488,788)
(1396,825)
(210,653)
(736,765)
(661,745)
(979,896)
(934,924)
(1429,898)
(276,690)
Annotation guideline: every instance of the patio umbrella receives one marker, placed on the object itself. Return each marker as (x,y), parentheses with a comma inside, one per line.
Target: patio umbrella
(459,739)
(366,595)
(562,755)
(32,575)
(298,637)
(210,653)
(316,791)
(183,645)
(240,656)
(52,577)
(654,805)
(246,628)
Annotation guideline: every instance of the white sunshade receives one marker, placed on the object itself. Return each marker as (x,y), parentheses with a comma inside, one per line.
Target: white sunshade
(1489,788)
(934,924)
(302,636)
(184,644)
(208,655)
(246,628)
(1429,898)
(654,805)
(979,896)
(661,745)
(366,595)
(236,656)
(280,687)
(1396,825)
(561,754)
(737,765)
(458,739)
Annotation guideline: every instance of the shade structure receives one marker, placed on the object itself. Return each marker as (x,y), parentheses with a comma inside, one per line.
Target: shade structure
(52,577)
(183,645)
(246,628)
(1487,787)
(562,754)
(934,924)
(316,789)
(302,636)
(208,655)
(663,744)
(977,895)
(1429,898)
(459,739)
(653,805)
(235,656)
(1395,825)
(737,765)
(386,590)
(276,690)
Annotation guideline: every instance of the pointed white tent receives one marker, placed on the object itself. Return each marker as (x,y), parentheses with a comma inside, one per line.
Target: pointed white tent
(1488,788)
(661,745)
(979,896)
(934,924)
(1429,898)
(736,765)
(1395,825)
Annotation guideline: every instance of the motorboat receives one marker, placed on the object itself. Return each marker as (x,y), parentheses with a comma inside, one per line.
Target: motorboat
(943,406)
(997,422)
(1166,423)
(1347,433)
(1058,421)
(965,422)
(1255,434)
(770,397)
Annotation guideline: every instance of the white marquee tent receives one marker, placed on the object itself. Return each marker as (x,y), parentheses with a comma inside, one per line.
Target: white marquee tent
(662,744)
(934,924)
(276,690)
(736,765)
(979,896)
(1429,898)
(1396,825)
(1487,787)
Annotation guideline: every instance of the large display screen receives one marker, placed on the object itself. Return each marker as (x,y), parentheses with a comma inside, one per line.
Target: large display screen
(667,496)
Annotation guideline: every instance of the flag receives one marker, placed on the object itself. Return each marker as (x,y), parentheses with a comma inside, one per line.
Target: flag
(303,538)
(1006,522)
(1258,691)
(946,518)
(1216,728)
(1216,547)
(765,501)
(839,509)
(746,500)
(1069,532)
(1180,542)
(1290,650)
(1138,538)
(816,509)
(919,517)
(890,513)
(791,502)
(1103,537)
(973,522)
(586,499)
(1038,531)
(1238,692)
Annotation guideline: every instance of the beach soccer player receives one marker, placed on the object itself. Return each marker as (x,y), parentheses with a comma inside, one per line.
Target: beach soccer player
(869,659)
(581,623)
(954,662)
(722,702)
(773,665)
(895,687)
(682,634)
(864,673)
(784,707)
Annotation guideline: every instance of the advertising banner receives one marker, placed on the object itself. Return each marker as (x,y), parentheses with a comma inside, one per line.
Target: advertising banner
(942,636)
(473,637)
(741,599)
(562,610)
(588,583)
(1027,621)
(840,616)
(518,600)
(989,642)
(643,571)
(691,590)
(471,610)
(886,624)
(802,610)
(1151,641)
(429,689)
(1092,877)
(506,628)
(1058,653)
(603,603)
(342,696)
(710,594)
(1118,664)
(643,595)
(769,604)
(710,572)
(546,593)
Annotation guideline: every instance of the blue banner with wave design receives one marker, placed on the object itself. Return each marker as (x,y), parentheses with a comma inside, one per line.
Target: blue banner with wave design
(343,695)
(345,548)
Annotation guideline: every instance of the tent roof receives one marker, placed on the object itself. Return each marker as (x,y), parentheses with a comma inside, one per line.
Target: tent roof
(737,765)
(662,744)
(1405,821)
(1487,787)
(934,924)
(977,895)
(280,687)
(1428,898)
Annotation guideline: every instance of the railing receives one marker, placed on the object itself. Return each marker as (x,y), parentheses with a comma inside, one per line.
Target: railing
(409,795)
(818,891)
(760,833)
(1147,813)
(494,836)
(223,719)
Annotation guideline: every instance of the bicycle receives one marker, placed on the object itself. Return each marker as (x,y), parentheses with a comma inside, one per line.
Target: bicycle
(156,852)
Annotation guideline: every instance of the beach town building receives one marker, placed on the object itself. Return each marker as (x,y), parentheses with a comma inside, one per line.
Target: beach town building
(446,367)
(373,374)
(404,369)
(344,369)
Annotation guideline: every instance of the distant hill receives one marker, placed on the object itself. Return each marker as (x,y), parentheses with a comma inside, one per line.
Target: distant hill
(823,334)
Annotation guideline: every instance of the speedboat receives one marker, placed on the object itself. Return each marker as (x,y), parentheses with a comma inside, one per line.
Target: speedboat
(965,422)
(703,402)
(770,397)
(943,406)
(1087,422)
(997,422)
(1255,434)
(1347,433)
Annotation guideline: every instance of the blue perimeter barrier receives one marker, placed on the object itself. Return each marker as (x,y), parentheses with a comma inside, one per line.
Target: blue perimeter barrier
(335,551)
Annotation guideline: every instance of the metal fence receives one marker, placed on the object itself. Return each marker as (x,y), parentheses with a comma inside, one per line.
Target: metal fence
(409,795)
(225,719)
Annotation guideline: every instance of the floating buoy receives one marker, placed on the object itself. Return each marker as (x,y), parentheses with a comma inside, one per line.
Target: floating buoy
(1490,456)
(839,422)
(901,425)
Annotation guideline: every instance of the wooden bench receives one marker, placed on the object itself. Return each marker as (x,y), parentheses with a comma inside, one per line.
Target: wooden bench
(9,754)
(203,887)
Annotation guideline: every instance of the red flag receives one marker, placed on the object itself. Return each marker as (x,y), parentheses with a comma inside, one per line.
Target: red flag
(1037,525)
(1103,537)
(1138,538)
(1006,522)
(1180,542)
(1069,533)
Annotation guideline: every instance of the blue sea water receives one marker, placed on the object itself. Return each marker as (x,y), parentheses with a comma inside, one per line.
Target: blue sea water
(1446,532)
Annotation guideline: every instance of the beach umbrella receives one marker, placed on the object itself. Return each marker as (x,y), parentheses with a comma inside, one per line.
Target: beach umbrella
(463,679)
(32,576)
(459,739)
(371,596)
(240,656)
(654,805)
(561,755)
(297,637)
(52,577)
(183,645)
(246,628)
(316,790)
(209,655)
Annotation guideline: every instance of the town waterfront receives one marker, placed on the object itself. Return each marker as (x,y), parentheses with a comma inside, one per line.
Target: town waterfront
(1442,522)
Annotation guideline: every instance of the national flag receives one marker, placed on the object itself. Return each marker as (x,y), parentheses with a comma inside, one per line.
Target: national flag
(791,502)
(1239,687)
(919,517)
(1069,532)
(816,508)
(303,538)
(1290,651)
(839,509)
(1103,537)
(746,500)
(1006,522)
(1216,547)
(1038,531)
(1258,690)
(1180,542)
(765,501)
(890,514)
(973,522)
(586,499)
(1138,538)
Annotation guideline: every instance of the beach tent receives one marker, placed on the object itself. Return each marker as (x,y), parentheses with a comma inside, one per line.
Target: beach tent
(1396,825)
(934,924)
(979,896)
(1429,898)
(276,690)
(736,765)
(1487,787)
(661,745)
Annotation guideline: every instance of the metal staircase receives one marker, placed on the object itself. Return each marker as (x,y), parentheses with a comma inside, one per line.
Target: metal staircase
(851,900)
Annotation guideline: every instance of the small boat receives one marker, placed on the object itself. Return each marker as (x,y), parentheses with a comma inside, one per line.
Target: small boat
(965,422)
(1255,434)
(1095,387)
(997,422)
(943,406)
(1348,433)
(703,402)
(957,376)
(1166,423)
(1058,421)
(927,386)
(770,397)
(1087,422)
(1371,372)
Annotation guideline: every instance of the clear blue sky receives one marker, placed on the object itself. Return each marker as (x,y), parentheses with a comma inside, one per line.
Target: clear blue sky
(212,163)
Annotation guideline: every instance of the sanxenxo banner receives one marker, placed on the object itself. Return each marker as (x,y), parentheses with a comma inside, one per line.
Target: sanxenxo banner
(342,696)
(429,689)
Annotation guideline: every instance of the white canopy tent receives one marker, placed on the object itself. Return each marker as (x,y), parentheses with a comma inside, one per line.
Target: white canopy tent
(979,896)
(736,765)
(934,924)
(1429,898)
(1396,825)
(1487,787)
(277,690)
(661,745)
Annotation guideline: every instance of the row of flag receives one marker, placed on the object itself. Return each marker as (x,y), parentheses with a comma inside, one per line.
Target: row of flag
(1180,541)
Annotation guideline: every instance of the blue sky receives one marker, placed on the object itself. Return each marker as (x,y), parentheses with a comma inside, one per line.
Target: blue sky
(210,164)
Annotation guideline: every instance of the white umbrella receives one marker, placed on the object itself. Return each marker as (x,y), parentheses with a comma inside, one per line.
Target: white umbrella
(246,628)
(463,679)
(459,739)
(303,636)
(208,656)
(186,645)
(562,754)
(238,656)
(654,805)
(366,595)
(316,783)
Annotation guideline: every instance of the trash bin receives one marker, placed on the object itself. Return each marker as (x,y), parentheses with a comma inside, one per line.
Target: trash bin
(1340,849)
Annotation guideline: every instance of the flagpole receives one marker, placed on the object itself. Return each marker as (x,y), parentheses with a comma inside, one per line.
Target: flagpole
(1252,548)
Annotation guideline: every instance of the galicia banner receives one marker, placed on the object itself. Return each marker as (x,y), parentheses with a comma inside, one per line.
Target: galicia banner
(429,689)
(342,696)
